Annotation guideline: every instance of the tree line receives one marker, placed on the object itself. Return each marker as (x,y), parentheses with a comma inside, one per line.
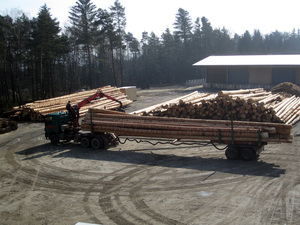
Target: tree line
(38,60)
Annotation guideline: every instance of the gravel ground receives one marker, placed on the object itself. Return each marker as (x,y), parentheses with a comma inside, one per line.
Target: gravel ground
(144,184)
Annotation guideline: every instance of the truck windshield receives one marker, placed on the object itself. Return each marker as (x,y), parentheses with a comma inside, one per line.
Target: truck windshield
(48,119)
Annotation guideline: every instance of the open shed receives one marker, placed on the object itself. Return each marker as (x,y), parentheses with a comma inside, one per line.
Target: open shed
(250,71)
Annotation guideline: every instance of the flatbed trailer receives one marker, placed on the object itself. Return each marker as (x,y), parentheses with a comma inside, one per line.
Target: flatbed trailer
(244,140)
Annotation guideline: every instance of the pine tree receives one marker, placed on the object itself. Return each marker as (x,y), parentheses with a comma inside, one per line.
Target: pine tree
(168,56)
(245,43)
(82,18)
(183,32)
(183,25)
(119,24)
(207,31)
(45,37)
(107,38)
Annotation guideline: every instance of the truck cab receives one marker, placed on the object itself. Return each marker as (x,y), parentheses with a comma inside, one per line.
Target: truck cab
(58,126)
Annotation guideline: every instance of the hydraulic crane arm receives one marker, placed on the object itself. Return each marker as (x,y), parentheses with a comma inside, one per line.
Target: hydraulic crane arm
(98,94)
(74,110)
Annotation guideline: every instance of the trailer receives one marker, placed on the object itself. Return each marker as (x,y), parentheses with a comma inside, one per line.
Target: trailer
(243,140)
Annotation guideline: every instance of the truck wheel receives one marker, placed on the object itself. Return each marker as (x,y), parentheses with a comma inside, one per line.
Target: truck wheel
(97,143)
(232,153)
(248,154)
(85,142)
(54,139)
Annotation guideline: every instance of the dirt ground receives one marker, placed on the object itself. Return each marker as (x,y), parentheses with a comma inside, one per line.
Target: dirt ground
(144,184)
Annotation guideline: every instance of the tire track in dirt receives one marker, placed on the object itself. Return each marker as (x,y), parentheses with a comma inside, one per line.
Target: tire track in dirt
(41,179)
(114,192)
(138,191)
(210,183)
(23,173)
(140,205)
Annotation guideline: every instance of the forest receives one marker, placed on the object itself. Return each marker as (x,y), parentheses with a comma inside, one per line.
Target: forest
(40,60)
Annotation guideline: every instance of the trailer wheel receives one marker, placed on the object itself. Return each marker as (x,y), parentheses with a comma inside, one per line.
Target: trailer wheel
(54,139)
(248,154)
(232,153)
(85,142)
(97,143)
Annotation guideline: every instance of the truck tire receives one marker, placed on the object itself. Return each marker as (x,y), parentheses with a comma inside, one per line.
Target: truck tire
(248,154)
(232,152)
(54,139)
(85,142)
(97,142)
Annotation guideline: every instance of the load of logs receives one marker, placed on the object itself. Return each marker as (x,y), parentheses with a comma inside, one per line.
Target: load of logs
(36,111)
(255,105)
(218,131)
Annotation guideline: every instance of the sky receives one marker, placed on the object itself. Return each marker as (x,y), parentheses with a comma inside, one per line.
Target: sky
(236,16)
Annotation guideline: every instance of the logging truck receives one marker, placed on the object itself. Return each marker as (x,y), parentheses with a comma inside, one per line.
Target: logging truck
(101,128)
(64,126)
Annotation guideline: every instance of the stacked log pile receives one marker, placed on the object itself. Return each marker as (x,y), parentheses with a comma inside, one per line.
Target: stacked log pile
(193,97)
(255,105)
(7,125)
(36,110)
(219,131)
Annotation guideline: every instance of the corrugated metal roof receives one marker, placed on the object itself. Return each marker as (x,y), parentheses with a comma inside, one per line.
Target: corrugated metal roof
(250,60)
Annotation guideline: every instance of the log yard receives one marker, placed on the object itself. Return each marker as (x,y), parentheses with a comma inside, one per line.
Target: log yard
(164,155)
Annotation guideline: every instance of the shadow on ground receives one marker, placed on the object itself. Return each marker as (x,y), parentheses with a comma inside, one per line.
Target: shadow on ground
(151,157)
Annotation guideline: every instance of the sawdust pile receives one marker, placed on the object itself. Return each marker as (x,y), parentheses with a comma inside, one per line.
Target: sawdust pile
(288,88)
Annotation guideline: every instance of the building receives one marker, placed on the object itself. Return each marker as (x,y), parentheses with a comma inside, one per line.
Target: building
(250,71)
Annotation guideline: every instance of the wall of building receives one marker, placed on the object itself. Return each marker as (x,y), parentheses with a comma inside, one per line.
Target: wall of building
(284,74)
(216,74)
(248,77)
(260,75)
(238,75)
(298,76)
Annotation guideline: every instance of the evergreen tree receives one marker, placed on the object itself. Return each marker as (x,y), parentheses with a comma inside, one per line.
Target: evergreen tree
(119,24)
(244,45)
(133,45)
(5,37)
(45,37)
(107,38)
(197,40)
(222,43)
(154,71)
(133,52)
(257,46)
(168,57)
(183,32)
(82,18)
(15,34)
(292,44)
(183,25)
(207,31)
